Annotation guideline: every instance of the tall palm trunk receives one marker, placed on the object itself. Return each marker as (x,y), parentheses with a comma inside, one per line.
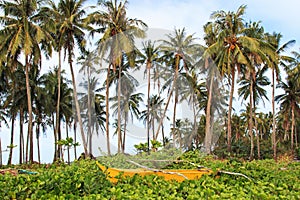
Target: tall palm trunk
(107,111)
(273,119)
(250,120)
(89,112)
(148,106)
(208,125)
(21,142)
(176,95)
(11,140)
(28,90)
(78,110)
(58,102)
(119,111)
(55,157)
(169,98)
(229,135)
(59,149)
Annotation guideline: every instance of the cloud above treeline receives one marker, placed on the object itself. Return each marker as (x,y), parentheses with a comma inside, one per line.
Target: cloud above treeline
(275,15)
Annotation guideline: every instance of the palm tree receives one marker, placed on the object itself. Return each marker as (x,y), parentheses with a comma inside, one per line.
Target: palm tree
(149,56)
(265,55)
(72,30)
(226,50)
(230,49)
(289,101)
(195,92)
(119,32)
(55,16)
(152,114)
(179,47)
(8,103)
(275,40)
(128,101)
(21,18)
(88,63)
(252,88)
(66,112)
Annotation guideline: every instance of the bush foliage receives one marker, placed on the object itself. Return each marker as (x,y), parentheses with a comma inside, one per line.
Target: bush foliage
(84,180)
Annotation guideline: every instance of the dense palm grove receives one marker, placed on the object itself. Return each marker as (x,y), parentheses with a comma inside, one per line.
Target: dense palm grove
(236,55)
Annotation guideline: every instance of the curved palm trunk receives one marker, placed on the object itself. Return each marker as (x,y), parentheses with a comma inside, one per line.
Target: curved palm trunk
(273,112)
(28,91)
(107,111)
(57,103)
(250,120)
(78,111)
(229,134)
(208,125)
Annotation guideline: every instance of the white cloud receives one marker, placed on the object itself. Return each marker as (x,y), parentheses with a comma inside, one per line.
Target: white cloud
(276,16)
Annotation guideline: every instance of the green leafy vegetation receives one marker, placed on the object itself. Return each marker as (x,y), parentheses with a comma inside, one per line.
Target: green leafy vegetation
(84,180)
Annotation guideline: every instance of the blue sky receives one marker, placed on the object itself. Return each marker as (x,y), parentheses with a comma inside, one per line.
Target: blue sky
(278,16)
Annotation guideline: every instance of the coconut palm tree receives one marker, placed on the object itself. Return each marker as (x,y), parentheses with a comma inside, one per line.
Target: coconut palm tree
(129,100)
(54,16)
(179,47)
(257,93)
(49,81)
(119,32)
(227,28)
(290,101)
(72,29)
(275,40)
(228,50)
(130,103)
(88,63)
(21,18)
(153,114)
(149,56)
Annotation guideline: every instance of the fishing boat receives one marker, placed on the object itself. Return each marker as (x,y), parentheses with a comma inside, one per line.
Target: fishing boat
(169,174)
